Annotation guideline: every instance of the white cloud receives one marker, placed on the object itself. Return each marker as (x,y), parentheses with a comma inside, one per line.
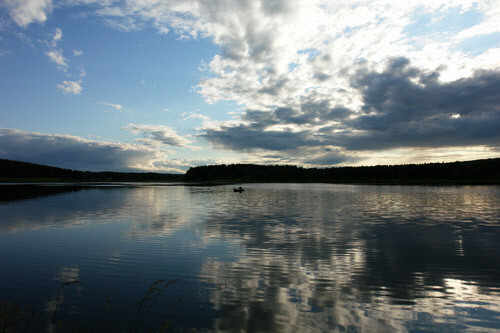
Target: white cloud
(158,135)
(298,54)
(194,115)
(56,38)
(488,25)
(57,57)
(24,12)
(292,54)
(77,53)
(57,35)
(125,23)
(70,87)
(260,41)
(206,121)
(117,107)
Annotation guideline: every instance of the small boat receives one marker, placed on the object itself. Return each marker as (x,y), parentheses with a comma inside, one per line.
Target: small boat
(239,189)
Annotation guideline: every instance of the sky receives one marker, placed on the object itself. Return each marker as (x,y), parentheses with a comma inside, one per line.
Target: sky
(153,85)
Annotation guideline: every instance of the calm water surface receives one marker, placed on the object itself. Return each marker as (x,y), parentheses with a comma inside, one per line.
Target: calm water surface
(277,257)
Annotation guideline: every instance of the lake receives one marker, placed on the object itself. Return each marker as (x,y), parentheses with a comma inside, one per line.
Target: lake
(275,258)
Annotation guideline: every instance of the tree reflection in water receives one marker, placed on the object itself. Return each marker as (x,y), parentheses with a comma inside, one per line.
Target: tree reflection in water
(281,257)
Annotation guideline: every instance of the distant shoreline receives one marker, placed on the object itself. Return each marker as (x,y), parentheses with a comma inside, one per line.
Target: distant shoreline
(477,172)
(30,190)
(97,183)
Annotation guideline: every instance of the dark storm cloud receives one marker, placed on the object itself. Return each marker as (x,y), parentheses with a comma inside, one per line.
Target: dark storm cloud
(278,116)
(310,113)
(291,116)
(261,118)
(403,106)
(251,137)
(337,113)
(437,132)
(69,151)
(396,98)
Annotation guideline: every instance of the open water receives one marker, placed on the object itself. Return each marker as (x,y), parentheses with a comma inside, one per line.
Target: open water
(275,258)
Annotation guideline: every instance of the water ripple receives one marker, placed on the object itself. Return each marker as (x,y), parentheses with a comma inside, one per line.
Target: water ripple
(277,257)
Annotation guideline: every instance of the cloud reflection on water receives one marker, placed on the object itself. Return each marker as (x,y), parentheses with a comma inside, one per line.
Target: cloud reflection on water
(306,257)
(357,256)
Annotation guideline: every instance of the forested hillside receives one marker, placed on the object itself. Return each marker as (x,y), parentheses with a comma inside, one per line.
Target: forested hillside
(23,171)
(485,171)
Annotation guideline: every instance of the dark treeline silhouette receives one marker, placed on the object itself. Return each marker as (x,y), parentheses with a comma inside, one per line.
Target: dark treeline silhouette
(23,171)
(29,191)
(485,171)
